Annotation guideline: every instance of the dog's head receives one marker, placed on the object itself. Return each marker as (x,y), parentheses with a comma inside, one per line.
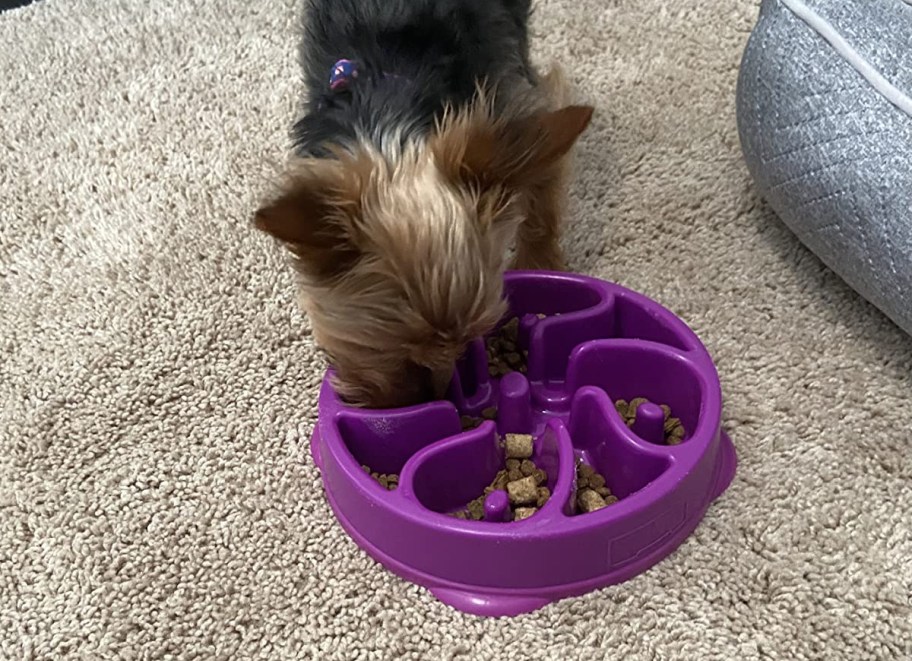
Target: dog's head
(400,255)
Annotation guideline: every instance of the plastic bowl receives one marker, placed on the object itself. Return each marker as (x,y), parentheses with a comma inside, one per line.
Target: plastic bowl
(599,343)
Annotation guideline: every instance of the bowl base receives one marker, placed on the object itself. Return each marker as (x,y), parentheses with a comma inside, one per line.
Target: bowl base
(488,602)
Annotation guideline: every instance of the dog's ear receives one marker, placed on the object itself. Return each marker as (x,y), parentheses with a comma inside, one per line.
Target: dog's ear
(313,217)
(516,153)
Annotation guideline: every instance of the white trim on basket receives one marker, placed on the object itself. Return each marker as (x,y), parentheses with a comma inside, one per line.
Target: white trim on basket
(826,30)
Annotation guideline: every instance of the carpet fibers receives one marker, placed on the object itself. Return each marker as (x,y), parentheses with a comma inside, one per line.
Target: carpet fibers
(158,386)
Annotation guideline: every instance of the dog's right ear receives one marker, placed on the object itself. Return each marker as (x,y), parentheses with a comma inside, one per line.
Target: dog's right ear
(312,216)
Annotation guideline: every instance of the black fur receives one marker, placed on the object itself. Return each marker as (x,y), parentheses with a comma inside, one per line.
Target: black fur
(415,58)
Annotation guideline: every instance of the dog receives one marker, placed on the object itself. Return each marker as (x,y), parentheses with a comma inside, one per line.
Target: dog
(429,148)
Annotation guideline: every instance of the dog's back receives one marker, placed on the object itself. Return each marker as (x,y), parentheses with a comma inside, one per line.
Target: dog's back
(413,58)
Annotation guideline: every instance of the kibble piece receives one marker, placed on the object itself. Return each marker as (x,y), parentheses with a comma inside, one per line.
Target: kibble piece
(596,481)
(540,476)
(521,513)
(460,514)
(513,359)
(513,464)
(514,474)
(611,500)
(582,482)
(604,492)
(468,422)
(671,424)
(622,407)
(585,470)
(366,469)
(527,468)
(518,446)
(635,404)
(523,492)
(541,315)
(590,501)
(544,493)
(500,481)
(489,413)
(666,409)
(476,509)
(493,370)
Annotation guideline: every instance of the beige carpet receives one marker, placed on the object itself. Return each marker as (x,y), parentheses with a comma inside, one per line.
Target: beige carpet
(158,387)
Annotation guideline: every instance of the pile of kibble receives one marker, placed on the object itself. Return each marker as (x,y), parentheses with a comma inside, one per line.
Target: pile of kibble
(523,481)
(504,352)
(674,428)
(388,482)
(592,493)
(469,422)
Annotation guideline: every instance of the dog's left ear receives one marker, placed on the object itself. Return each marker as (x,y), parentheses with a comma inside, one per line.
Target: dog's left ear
(487,152)
(529,146)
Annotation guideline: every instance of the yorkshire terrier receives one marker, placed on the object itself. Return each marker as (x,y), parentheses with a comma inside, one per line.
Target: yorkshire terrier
(429,148)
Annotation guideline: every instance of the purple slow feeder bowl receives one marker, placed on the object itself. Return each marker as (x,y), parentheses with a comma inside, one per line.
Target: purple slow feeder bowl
(601,342)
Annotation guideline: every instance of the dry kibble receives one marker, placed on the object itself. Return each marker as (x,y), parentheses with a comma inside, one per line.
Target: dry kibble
(523,492)
(489,413)
(521,513)
(513,359)
(592,491)
(476,509)
(673,427)
(500,481)
(468,422)
(518,446)
(523,481)
(389,482)
(504,355)
(541,315)
(590,501)
(585,470)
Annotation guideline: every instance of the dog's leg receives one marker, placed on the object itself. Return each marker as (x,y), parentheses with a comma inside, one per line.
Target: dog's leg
(538,240)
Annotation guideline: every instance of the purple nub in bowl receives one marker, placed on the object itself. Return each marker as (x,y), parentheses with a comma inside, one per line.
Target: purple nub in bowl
(598,343)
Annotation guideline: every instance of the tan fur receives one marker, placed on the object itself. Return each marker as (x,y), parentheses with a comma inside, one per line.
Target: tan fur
(400,255)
